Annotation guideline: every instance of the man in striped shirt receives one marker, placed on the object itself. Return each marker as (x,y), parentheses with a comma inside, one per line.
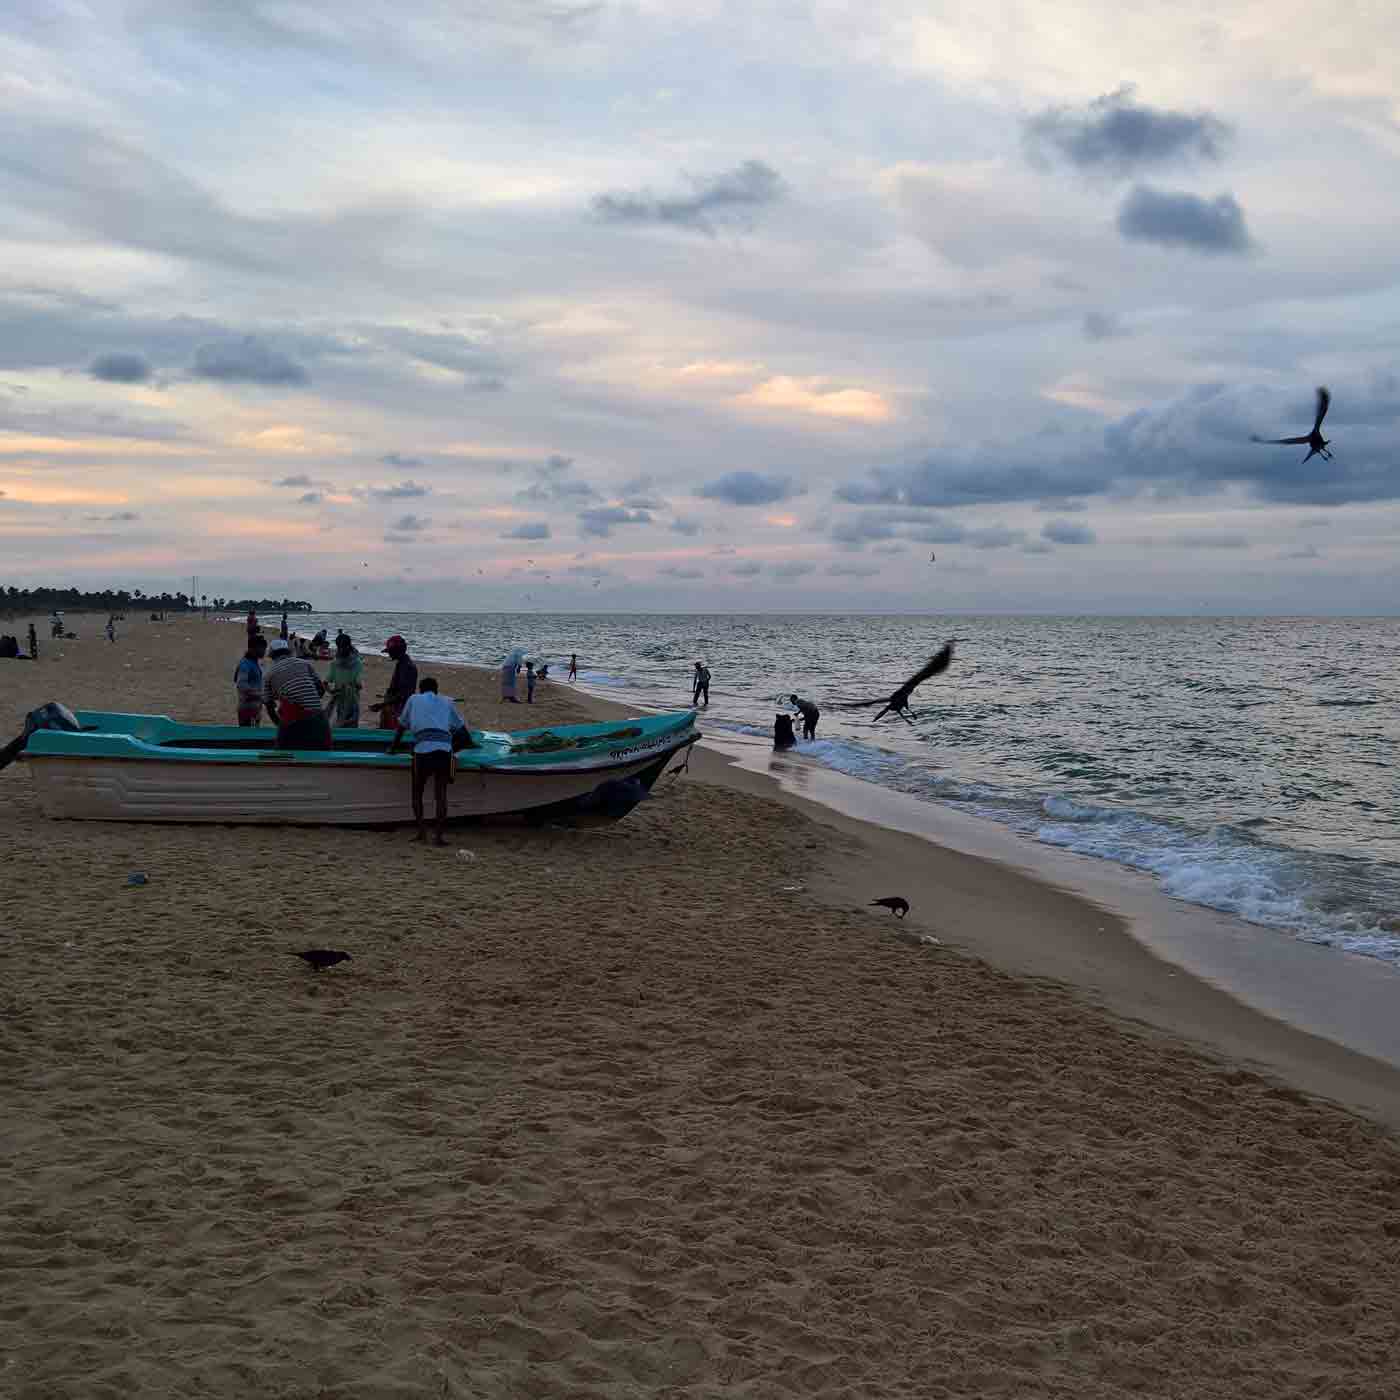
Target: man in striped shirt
(292,692)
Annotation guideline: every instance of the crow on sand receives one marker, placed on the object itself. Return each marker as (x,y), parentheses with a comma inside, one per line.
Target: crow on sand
(322,957)
(897,906)
(899,700)
(1313,441)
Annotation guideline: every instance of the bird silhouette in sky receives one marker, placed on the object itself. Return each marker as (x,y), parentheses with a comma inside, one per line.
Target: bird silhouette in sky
(1313,441)
(899,700)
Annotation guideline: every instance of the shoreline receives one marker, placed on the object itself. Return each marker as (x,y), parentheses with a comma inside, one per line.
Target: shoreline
(1323,1020)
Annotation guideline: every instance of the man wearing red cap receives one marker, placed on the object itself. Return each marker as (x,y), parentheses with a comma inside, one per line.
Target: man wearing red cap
(402,685)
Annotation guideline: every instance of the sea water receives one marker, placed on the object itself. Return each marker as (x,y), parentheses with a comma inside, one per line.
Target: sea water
(1248,764)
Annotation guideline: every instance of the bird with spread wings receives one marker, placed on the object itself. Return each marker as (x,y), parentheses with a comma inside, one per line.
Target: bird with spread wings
(1313,441)
(898,701)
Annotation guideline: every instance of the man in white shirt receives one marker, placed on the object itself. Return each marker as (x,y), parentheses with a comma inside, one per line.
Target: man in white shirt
(434,721)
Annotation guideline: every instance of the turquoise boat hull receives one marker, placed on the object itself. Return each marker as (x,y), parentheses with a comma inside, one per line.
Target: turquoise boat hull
(123,767)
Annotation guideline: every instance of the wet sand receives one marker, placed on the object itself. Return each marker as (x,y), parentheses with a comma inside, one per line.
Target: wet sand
(657,1109)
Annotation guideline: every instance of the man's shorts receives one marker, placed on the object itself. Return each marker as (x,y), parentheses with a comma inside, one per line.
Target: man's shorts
(431,765)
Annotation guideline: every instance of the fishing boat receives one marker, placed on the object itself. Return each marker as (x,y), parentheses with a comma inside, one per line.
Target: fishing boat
(96,766)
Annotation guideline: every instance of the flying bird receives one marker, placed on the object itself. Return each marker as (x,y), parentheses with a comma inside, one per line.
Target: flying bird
(932,557)
(322,957)
(899,700)
(897,906)
(1313,441)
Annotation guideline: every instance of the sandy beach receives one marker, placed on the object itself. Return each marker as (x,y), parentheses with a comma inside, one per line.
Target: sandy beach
(657,1109)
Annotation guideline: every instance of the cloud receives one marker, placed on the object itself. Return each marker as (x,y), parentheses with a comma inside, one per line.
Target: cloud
(410,524)
(686,525)
(118,517)
(995,537)
(600,520)
(530,530)
(1037,547)
(1068,532)
(718,197)
(247,361)
(402,491)
(681,571)
(856,531)
(1176,219)
(554,483)
(300,479)
(120,367)
(1197,442)
(397,459)
(793,568)
(747,488)
(1115,134)
(311,498)
(1309,551)
(812,396)
(852,570)
(1210,539)
(1099,325)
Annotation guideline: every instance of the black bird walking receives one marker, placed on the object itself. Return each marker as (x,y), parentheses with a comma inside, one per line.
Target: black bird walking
(897,906)
(1313,441)
(899,701)
(322,957)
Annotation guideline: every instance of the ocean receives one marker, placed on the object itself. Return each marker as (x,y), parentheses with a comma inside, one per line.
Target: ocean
(1247,764)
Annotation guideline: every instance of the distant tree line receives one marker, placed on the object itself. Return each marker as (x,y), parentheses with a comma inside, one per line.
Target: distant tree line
(14,601)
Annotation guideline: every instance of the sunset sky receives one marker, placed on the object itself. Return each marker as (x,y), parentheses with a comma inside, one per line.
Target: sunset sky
(697,305)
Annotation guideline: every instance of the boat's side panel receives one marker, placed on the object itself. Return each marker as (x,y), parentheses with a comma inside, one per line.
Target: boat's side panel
(113,789)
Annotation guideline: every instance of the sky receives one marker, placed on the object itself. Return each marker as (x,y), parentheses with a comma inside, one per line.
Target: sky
(703,306)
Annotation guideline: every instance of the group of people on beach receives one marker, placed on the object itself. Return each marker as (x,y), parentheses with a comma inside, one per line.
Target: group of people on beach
(293,693)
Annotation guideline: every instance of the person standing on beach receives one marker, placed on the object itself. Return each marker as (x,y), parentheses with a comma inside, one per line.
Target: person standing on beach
(508,669)
(283,633)
(252,623)
(702,684)
(33,643)
(292,692)
(529,682)
(810,715)
(434,720)
(111,629)
(248,682)
(344,679)
(573,666)
(402,684)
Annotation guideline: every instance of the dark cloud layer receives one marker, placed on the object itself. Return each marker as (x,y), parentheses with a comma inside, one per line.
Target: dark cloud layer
(749,489)
(1099,325)
(1177,219)
(716,198)
(1068,532)
(530,530)
(1196,443)
(1117,135)
(402,491)
(600,520)
(121,367)
(248,360)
